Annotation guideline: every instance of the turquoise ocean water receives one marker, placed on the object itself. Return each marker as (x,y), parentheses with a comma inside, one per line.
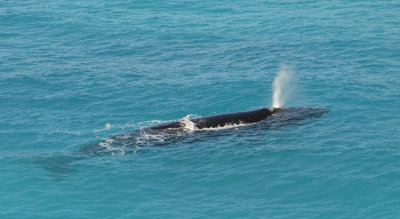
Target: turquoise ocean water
(75,72)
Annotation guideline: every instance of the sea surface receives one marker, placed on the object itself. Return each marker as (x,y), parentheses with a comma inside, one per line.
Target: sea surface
(74,73)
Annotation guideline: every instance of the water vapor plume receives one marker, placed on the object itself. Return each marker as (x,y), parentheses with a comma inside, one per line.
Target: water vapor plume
(281,86)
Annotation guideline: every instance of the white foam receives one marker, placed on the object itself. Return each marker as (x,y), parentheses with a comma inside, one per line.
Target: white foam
(106,143)
(189,125)
(146,138)
(107,126)
(227,126)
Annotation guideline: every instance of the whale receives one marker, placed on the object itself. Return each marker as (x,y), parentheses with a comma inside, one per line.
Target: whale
(176,131)
(221,120)
(185,130)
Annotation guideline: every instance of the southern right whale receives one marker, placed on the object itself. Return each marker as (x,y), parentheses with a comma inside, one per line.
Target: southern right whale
(187,129)
(221,120)
(184,130)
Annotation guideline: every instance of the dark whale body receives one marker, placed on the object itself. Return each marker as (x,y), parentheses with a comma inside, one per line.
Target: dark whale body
(177,131)
(222,120)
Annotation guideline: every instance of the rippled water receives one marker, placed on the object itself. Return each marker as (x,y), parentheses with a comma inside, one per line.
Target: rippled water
(74,73)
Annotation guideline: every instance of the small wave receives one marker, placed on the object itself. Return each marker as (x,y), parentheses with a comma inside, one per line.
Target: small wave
(64,132)
(152,122)
(107,126)
(138,125)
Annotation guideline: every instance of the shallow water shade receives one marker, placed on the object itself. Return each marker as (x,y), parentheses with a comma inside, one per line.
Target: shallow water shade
(74,73)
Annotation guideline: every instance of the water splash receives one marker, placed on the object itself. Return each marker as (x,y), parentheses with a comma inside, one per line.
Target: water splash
(281,87)
(188,124)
